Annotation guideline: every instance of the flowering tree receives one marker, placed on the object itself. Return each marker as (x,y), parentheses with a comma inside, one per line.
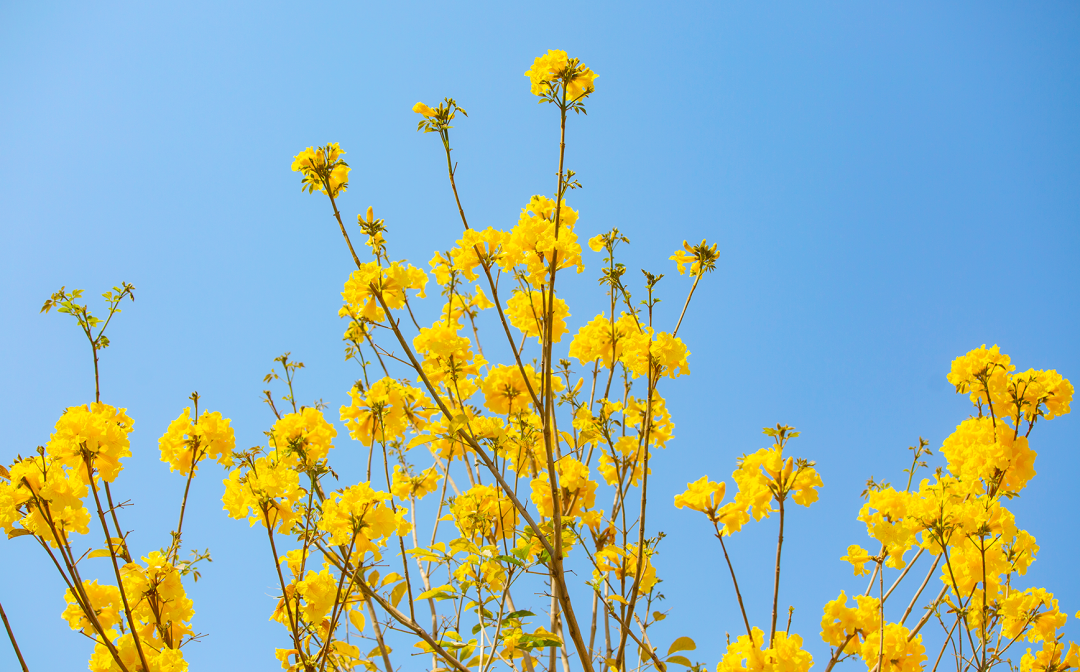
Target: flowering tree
(489,483)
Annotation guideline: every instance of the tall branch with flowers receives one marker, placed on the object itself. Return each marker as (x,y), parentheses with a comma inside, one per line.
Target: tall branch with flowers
(480,508)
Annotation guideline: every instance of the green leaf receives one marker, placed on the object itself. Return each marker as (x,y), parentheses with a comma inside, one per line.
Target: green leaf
(679,660)
(99,553)
(520,613)
(681,644)
(18,532)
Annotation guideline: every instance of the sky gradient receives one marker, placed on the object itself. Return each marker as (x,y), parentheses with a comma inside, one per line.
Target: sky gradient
(890,187)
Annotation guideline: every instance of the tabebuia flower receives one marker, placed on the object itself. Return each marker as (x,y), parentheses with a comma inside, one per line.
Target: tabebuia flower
(368,283)
(555,69)
(323,169)
(186,441)
(96,434)
(362,517)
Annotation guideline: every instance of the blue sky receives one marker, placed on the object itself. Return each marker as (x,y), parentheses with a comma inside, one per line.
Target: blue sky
(890,186)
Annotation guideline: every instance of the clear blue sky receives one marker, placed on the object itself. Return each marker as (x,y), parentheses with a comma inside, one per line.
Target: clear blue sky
(890,186)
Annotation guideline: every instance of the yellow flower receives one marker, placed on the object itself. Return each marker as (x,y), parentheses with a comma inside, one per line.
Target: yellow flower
(700,257)
(536,240)
(406,487)
(319,592)
(526,313)
(306,434)
(266,490)
(370,280)
(899,654)
(555,68)
(505,391)
(577,490)
(702,495)
(623,564)
(785,654)
(423,109)
(98,433)
(484,513)
(858,557)
(362,516)
(322,169)
(386,411)
(185,441)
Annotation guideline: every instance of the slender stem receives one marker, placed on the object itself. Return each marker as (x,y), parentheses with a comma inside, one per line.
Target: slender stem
(687,304)
(641,560)
(881,619)
(75,584)
(338,608)
(281,579)
(926,616)
(378,634)
(948,638)
(776,577)
(738,594)
(125,552)
(11,636)
(337,215)
(904,573)
(116,567)
(911,606)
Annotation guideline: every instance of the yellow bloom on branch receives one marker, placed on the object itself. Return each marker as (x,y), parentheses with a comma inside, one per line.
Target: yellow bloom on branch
(702,495)
(554,70)
(323,169)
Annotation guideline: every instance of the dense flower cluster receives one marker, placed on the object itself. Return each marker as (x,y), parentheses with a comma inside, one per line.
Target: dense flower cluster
(488,482)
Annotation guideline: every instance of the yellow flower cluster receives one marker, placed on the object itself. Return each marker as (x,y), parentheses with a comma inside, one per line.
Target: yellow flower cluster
(44,494)
(267,490)
(622,341)
(449,360)
(185,443)
(622,564)
(50,495)
(322,169)
(367,283)
(987,376)
(841,621)
(986,457)
(96,435)
(484,513)
(898,652)
(785,654)
(505,390)
(405,486)
(554,69)
(159,606)
(537,239)
(362,517)
(626,342)
(702,495)
(475,249)
(527,314)
(306,434)
(577,492)
(699,258)
(385,411)
(762,478)
(1052,658)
